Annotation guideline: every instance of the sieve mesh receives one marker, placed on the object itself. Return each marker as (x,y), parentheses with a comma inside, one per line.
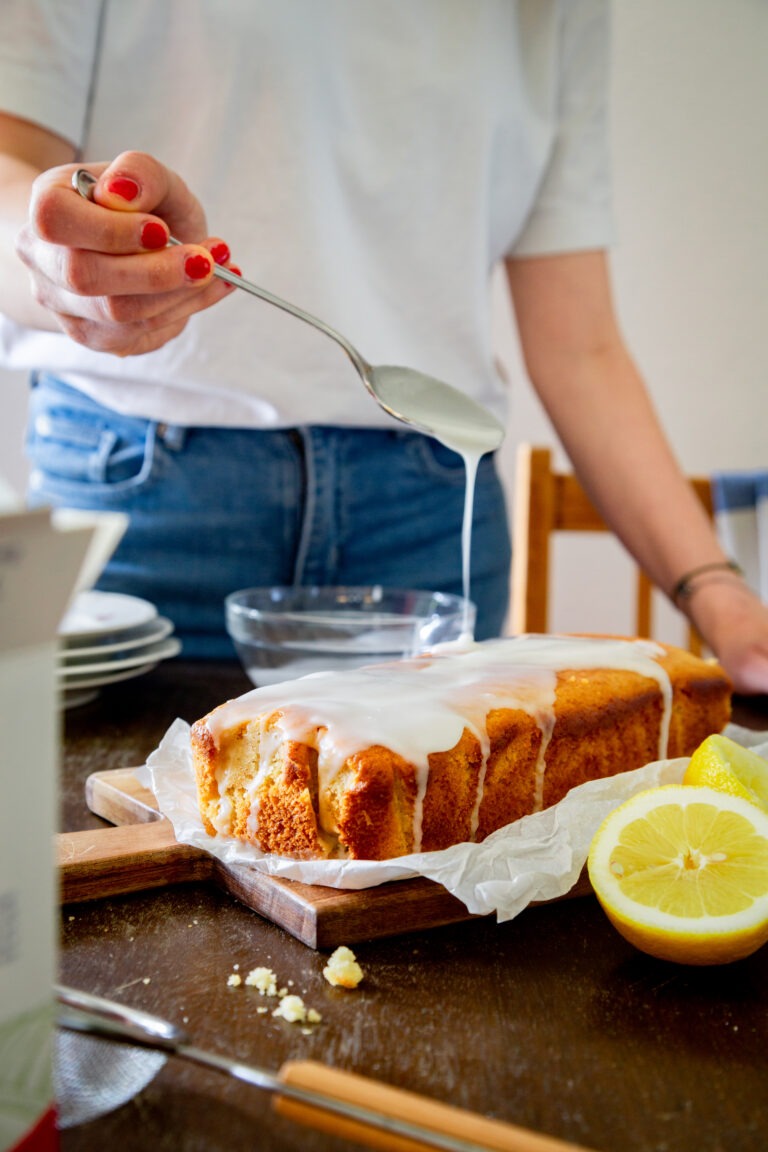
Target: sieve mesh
(92,1076)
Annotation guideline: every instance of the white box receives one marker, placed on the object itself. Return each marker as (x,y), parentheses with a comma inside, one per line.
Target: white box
(39,567)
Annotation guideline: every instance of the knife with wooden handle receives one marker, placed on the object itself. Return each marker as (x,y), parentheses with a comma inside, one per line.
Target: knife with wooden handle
(341,1103)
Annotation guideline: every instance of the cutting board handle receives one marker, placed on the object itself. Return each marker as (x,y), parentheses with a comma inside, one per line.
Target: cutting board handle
(112,861)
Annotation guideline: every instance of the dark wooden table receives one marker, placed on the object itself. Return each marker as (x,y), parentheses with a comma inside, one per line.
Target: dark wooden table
(552,1021)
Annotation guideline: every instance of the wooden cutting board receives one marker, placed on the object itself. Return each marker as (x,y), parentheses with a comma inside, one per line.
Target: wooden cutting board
(141,852)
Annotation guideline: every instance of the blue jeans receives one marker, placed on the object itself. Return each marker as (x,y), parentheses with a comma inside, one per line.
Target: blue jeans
(216,509)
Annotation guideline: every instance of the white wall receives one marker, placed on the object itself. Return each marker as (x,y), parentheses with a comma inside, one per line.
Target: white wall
(691,265)
(690,94)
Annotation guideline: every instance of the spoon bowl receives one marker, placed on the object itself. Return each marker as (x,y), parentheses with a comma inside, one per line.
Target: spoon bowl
(434,407)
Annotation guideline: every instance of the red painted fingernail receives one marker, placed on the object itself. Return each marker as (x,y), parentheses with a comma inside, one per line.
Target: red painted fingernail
(197,267)
(234,268)
(123,186)
(153,235)
(220,252)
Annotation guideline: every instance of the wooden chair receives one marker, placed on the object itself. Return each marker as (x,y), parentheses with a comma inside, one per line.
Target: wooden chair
(548,501)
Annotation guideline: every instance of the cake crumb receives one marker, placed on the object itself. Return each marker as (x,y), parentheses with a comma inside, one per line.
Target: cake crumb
(264,979)
(342,969)
(292,1009)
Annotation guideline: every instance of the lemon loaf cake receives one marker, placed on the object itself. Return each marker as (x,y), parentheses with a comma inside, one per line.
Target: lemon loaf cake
(420,754)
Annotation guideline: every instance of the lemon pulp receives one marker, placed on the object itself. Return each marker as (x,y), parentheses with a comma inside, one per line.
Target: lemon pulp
(682,872)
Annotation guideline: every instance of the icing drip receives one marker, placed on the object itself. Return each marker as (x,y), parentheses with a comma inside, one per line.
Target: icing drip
(547,727)
(422,779)
(415,707)
(471,463)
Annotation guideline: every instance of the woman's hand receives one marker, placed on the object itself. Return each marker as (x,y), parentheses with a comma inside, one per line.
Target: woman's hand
(103,269)
(734,623)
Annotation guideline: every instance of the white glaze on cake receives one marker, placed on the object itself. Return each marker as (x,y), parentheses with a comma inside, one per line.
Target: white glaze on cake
(417,707)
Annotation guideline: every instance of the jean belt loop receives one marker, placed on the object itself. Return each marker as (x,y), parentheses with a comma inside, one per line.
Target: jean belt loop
(173,436)
(99,460)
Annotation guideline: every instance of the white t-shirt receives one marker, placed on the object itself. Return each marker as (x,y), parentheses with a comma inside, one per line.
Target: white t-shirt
(368,160)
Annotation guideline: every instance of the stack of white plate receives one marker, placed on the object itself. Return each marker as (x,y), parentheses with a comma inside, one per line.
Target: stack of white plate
(106,637)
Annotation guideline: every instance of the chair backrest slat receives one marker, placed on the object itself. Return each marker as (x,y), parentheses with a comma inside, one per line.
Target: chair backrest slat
(548,501)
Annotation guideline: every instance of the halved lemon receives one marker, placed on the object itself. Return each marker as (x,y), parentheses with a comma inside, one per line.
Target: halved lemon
(726,766)
(682,873)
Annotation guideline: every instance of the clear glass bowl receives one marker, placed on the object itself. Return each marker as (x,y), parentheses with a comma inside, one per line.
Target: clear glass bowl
(284,632)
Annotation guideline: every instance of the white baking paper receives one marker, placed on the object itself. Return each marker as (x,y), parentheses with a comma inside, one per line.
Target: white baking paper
(537,858)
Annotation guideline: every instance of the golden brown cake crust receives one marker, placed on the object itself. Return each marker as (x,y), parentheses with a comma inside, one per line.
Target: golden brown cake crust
(265,789)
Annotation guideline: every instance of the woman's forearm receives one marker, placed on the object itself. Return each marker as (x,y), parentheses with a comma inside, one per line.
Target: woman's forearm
(601,409)
(624,460)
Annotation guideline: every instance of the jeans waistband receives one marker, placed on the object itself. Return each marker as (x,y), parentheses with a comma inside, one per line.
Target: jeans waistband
(175,436)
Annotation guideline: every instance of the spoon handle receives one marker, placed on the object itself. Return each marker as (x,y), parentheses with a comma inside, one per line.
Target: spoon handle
(83,182)
(299,313)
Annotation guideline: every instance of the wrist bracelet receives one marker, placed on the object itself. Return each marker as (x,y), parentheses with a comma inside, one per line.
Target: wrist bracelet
(684,586)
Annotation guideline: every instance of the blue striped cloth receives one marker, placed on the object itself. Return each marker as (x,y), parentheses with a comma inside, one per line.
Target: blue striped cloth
(741,518)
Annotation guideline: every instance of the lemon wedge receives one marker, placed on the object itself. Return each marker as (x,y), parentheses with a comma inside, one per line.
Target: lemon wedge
(722,764)
(682,873)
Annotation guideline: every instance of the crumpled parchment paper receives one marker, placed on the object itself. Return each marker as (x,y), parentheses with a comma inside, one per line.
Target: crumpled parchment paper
(537,858)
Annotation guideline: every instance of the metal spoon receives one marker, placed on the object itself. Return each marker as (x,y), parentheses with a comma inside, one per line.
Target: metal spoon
(413,397)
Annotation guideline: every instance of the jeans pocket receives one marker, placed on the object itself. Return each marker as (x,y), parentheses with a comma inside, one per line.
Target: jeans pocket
(79,449)
(434,460)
